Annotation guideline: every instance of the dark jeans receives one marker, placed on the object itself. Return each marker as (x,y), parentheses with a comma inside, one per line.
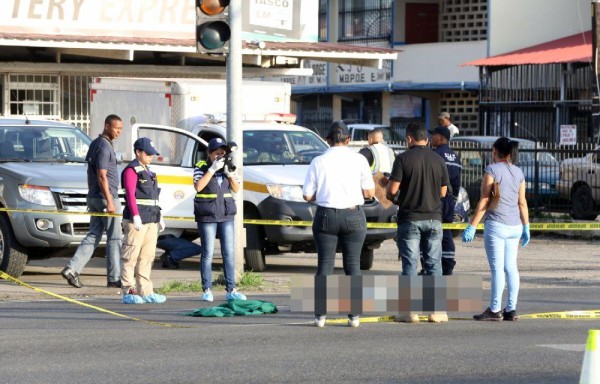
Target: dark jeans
(177,247)
(346,226)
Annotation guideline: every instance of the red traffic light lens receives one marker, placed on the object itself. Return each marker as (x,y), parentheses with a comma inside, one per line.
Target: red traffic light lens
(212,7)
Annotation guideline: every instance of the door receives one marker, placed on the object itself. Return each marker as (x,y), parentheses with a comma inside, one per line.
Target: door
(174,168)
(421,23)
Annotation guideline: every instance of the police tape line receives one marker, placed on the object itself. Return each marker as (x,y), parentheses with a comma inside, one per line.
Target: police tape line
(289,223)
(8,277)
(568,315)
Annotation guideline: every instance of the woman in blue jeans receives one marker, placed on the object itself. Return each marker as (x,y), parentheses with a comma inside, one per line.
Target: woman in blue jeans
(214,211)
(505,225)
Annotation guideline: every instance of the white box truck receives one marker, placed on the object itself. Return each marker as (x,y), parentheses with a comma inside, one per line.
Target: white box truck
(178,103)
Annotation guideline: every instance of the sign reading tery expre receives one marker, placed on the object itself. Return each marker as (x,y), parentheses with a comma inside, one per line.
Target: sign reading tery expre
(101,21)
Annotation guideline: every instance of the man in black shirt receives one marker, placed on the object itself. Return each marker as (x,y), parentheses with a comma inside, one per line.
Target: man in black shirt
(417,184)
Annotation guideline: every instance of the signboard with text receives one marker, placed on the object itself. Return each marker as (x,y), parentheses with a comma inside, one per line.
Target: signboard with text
(170,22)
(568,134)
(345,74)
(280,20)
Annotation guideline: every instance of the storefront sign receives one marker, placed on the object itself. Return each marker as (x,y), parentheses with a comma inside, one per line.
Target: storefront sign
(353,74)
(280,20)
(100,21)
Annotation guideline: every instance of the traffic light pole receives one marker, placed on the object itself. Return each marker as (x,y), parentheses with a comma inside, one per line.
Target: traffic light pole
(234,122)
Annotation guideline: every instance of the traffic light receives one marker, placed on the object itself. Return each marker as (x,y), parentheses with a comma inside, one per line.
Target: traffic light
(212,29)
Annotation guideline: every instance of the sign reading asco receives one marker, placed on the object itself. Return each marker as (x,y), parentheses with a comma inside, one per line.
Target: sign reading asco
(280,20)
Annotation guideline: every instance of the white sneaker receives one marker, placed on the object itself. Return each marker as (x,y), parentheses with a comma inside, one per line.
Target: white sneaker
(353,322)
(207,295)
(320,321)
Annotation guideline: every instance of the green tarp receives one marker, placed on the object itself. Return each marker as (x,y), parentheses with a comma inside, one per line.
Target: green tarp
(236,308)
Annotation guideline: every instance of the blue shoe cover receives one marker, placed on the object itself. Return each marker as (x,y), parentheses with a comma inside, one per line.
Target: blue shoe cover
(132,299)
(154,298)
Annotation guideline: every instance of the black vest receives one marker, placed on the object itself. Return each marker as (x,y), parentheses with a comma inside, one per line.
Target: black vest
(146,194)
(214,203)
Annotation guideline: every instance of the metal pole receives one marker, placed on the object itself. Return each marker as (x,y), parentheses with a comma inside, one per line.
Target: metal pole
(234,122)
(596,85)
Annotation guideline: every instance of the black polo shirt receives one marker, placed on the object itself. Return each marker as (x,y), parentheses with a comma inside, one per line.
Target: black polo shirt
(421,173)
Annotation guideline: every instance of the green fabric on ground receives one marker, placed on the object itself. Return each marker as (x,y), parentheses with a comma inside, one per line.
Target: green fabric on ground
(236,308)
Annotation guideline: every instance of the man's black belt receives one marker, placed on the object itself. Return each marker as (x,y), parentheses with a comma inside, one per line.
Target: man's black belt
(352,208)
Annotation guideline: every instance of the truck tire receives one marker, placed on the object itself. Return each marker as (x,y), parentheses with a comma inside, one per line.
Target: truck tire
(254,253)
(366,259)
(13,259)
(584,207)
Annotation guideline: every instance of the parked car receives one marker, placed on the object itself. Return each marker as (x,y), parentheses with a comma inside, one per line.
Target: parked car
(476,154)
(579,181)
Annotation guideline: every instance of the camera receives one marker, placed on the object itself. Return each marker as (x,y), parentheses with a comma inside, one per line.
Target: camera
(229,160)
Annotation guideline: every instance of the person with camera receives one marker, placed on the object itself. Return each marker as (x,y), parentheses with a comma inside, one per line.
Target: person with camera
(214,211)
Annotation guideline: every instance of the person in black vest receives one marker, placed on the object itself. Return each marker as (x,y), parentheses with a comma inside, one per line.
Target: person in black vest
(142,221)
(214,211)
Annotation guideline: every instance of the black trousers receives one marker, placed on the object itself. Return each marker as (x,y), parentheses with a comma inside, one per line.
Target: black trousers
(348,227)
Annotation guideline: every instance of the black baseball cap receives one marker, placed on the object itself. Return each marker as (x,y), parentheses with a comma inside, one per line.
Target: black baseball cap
(337,127)
(145,144)
(216,143)
(441,131)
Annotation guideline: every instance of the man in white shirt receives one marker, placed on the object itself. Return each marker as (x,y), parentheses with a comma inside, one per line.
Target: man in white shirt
(444,120)
(339,181)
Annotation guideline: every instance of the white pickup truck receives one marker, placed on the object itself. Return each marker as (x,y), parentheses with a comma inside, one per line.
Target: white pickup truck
(272,184)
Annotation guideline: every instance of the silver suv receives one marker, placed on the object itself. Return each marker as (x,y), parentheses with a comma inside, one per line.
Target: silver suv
(42,168)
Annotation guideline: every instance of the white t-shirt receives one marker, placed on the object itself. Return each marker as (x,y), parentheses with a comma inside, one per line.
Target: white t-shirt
(453,130)
(337,178)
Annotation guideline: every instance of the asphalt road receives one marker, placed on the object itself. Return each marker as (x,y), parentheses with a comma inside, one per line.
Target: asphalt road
(45,340)
(49,342)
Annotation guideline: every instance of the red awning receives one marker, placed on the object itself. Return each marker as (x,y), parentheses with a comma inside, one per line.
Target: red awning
(571,49)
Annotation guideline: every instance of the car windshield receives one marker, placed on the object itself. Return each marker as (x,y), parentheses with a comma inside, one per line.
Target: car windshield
(281,147)
(43,144)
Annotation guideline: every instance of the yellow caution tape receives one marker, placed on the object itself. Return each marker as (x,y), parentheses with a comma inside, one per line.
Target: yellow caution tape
(569,315)
(99,309)
(289,223)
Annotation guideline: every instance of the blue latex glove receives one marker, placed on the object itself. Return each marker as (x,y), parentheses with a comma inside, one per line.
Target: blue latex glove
(525,235)
(468,234)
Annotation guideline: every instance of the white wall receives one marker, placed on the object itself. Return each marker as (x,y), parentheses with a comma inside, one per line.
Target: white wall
(516,24)
(438,62)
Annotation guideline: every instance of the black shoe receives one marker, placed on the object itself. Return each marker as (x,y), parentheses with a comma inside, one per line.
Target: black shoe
(167,262)
(114,284)
(488,315)
(72,277)
(510,315)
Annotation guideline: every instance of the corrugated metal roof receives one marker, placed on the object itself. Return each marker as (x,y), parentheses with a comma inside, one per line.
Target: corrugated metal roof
(576,48)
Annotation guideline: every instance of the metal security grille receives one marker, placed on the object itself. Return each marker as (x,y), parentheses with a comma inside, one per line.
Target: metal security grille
(323,21)
(317,113)
(34,95)
(463,110)
(533,101)
(75,101)
(368,22)
(463,20)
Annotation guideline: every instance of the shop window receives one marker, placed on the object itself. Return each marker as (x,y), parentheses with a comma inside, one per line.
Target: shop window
(366,22)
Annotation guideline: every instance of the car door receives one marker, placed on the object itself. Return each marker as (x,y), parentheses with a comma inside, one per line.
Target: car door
(174,169)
